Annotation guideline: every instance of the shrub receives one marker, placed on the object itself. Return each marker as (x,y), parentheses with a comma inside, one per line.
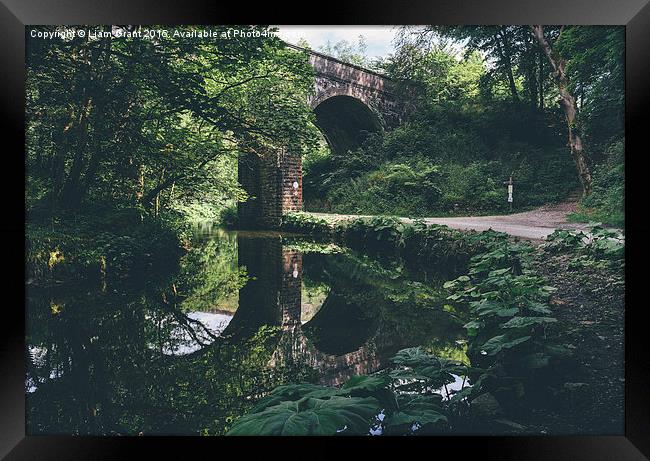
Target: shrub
(229,217)
(606,203)
(305,223)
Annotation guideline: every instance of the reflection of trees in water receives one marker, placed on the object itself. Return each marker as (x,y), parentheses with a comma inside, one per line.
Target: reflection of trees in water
(113,373)
(100,363)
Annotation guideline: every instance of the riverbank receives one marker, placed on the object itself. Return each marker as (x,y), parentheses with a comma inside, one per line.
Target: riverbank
(112,245)
(590,306)
(535,224)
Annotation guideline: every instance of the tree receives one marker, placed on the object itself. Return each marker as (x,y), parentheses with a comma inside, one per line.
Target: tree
(147,122)
(568,103)
(348,52)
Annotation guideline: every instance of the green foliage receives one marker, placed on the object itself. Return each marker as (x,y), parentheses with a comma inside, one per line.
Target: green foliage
(308,409)
(228,216)
(210,275)
(606,203)
(375,232)
(414,410)
(601,248)
(305,223)
(309,416)
(404,400)
(430,371)
(420,244)
(506,299)
(596,69)
(158,125)
(111,245)
(471,125)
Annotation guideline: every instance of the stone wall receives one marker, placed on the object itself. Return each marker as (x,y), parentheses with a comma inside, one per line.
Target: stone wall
(269,181)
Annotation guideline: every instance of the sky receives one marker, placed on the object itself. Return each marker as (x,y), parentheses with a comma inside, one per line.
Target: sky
(378,38)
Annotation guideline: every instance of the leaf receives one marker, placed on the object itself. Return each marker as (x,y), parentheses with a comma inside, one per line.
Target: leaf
(376,386)
(310,416)
(420,409)
(473,325)
(420,365)
(412,356)
(498,343)
(292,392)
(488,307)
(520,322)
(538,307)
(497,272)
(366,383)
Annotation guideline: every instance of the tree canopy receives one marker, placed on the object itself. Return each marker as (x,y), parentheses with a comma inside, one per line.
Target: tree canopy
(140,121)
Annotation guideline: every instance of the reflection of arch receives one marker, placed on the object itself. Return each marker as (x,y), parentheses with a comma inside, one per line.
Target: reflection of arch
(332,336)
(345,120)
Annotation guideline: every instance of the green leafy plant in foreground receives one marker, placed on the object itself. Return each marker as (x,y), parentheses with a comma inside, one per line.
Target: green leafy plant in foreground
(508,305)
(599,248)
(404,400)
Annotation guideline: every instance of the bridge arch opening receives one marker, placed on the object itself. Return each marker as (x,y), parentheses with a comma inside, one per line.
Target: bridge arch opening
(345,122)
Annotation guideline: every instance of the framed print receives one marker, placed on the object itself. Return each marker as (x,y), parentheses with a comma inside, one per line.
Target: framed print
(410,229)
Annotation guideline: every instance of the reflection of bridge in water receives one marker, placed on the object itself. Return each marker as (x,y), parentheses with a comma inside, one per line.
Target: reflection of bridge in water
(274,297)
(346,336)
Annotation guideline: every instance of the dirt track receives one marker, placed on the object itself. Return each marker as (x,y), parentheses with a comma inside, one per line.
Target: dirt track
(531,225)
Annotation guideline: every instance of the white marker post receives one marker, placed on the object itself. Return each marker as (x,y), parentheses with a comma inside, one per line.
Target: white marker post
(510,189)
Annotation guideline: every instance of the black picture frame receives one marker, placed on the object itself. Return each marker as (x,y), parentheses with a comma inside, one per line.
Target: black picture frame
(16,14)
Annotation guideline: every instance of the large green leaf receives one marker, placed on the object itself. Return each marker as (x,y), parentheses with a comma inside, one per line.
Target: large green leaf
(370,386)
(365,383)
(293,392)
(520,322)
(498,343)
(310,416)
(488,307)
(421,409)
(417,364)
(538,307)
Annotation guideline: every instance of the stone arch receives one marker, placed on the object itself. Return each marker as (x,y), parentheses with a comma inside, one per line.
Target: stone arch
(346,119)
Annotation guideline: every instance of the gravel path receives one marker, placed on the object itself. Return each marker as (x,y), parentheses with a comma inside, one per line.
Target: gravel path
(531,225)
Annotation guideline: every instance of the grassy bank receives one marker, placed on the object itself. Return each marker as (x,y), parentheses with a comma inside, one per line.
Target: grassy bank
(110,245)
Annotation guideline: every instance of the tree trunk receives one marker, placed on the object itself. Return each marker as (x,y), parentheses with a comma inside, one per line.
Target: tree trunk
(530,62)
(62,142)
(71,193)
(504,51)
(100,103)
(541,81)
(568,103)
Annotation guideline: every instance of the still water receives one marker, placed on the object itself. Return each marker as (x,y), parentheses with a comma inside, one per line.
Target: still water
(245,312)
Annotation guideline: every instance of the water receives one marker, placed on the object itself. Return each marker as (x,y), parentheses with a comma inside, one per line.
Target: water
(244,313)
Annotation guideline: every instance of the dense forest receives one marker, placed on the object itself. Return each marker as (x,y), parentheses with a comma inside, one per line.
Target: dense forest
(135,136)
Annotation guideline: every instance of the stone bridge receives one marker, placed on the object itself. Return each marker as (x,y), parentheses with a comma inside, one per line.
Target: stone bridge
(349,102)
